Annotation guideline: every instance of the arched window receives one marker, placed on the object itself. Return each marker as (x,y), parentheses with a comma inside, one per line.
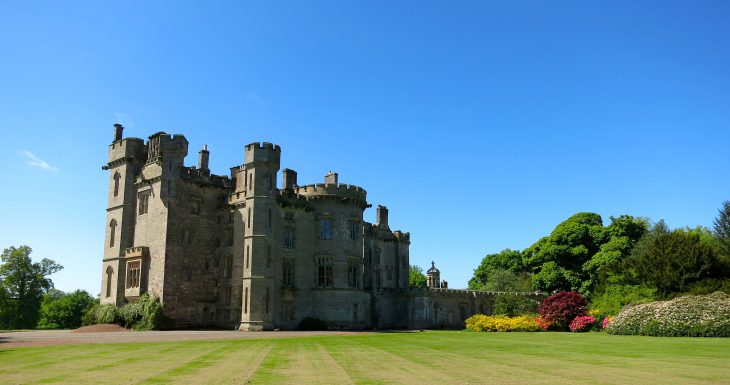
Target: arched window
(112,232)
(109,276)
(116,183)
(245,301)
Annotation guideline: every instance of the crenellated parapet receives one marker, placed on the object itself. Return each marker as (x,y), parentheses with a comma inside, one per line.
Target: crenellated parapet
(262,152)
(344,192)
(203,177)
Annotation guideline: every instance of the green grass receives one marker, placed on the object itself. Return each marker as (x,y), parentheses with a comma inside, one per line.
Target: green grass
(387,358)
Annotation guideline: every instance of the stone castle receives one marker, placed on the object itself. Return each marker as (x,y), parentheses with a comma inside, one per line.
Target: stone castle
(242,252)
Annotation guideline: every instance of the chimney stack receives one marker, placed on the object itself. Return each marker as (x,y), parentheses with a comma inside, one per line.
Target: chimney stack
(290,178)
(381,216)
(118,128)
(203,156)
(331,178)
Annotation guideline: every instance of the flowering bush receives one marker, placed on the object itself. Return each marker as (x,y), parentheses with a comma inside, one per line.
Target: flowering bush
(543,323)
(690,316)
(607,320)
(562,307)
(581,323)
(501,323)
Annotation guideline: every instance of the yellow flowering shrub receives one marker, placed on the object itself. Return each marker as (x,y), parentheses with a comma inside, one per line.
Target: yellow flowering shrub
(501,323)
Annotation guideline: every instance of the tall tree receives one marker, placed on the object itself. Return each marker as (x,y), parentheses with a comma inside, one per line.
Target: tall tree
(509,260)
(722,228)
(25,283)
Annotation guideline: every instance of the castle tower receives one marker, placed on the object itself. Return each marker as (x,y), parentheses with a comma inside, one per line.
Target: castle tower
(126,158)
(259,172)
(433,276)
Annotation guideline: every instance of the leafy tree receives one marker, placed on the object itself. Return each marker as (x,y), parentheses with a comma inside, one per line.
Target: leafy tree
(65,311)
(562,307)
(416,278)
(674,261)
(722,229)
(507,283)
(505,260)
(25,282)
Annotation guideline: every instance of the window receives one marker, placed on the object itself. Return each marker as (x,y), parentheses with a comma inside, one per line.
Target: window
(116,183)
(228,267)
(227,296)
(353,273)
(229,237)
(269,218)
(352,229)
(289,238)
(266,307)
(143,202)
(287,277)
(245,301)
(250,181)
(325,229)
(133,273)
(389,273)
(249,217)
(195,205)
(354,311)
(231,217)
(109,276)
(112,232)
(248,254)
(324,272)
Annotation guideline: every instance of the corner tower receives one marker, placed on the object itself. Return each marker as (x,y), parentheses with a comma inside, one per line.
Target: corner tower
(126,158)
(259,184)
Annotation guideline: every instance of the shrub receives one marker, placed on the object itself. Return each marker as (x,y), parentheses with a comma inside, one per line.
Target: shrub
(100,314)
(145,314)
(581,323)
(562,307)
(690,316)
(64,310)
(606,321)
(500,323)
(311,323)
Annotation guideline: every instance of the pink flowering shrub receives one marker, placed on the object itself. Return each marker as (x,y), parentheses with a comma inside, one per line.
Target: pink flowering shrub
(581,323)
(606,321)
(560,308)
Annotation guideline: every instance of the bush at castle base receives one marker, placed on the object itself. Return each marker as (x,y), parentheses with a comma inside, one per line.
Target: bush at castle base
(689,316)
(145,314)
(501,323)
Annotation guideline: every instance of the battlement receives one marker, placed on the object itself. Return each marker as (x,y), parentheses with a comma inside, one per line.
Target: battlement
(129,148)
(262,152)
(136,251)
(203,177)
(339,190)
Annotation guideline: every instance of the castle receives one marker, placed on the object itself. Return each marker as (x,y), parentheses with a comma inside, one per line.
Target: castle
(240,251)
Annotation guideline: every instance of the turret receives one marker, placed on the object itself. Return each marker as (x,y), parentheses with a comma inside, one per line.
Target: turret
(433,276)
(289,178)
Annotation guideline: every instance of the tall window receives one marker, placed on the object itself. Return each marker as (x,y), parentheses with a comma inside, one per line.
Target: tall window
(112,232)
(143,202)
(289,238)
(133,273)
(109,276)
(229,237)
(353,228)
(249,217)
(195,205)
(228,267)
(227,296)
(324,272)
(287,278)
(389,272)
(245,301)
(268,221)
(116,183)
(248,254)
(353,273)
(325,229)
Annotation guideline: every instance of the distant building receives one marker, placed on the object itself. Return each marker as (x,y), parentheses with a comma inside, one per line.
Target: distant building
(241,251)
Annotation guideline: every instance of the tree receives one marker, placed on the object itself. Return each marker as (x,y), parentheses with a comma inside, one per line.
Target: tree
(64,311)
(674,261)
(722,229)
(563,307)
(416,277)
(506,283)
(505,260)
(25,282)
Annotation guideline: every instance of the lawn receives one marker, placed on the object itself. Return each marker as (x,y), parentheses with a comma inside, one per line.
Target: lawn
(382,358)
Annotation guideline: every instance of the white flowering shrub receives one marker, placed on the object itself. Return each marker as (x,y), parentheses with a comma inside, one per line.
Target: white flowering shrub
(689,316)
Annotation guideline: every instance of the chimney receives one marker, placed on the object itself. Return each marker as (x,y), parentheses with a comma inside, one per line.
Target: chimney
(118,128)
(203,156)
(290,178)
(381,216)
(331,178)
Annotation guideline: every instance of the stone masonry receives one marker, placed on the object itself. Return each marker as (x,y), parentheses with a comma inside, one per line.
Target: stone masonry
(240,251)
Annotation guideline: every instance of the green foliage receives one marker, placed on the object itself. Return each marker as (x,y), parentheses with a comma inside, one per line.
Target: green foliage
(722,229)
(688,316)
(64,311)
(674,261)
(145,314)
(505,282)
(311,323)
(508,260)
(23,284)
(416,278)
(615,297)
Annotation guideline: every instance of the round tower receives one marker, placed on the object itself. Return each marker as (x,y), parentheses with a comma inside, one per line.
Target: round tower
(433,276)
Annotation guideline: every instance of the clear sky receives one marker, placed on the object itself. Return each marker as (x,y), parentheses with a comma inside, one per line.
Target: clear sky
(480,124)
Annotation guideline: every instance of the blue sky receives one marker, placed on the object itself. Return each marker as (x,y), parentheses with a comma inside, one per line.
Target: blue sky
(480,124)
